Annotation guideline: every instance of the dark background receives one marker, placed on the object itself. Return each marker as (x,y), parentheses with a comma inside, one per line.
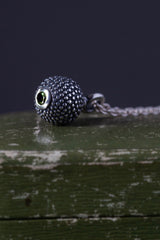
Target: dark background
(111,47)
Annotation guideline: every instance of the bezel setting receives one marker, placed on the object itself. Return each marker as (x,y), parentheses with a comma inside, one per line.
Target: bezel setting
(47,98)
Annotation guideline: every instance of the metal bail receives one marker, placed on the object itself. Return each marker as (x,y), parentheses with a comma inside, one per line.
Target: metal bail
(92,99)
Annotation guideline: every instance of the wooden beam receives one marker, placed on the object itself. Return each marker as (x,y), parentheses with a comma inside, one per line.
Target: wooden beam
(82,229)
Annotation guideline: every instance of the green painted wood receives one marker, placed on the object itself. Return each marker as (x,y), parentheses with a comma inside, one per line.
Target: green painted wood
(96,167)
(80,190)
(25,131)
(71,229)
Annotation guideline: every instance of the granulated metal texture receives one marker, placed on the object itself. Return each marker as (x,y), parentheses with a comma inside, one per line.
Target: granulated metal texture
(59,100)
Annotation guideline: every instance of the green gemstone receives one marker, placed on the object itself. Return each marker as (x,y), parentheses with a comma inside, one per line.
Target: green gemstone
(41,98)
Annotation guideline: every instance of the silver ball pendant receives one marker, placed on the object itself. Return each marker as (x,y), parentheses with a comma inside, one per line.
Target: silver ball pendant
(59,100)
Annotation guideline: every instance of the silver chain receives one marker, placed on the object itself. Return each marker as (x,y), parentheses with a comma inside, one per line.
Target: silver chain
(97,103)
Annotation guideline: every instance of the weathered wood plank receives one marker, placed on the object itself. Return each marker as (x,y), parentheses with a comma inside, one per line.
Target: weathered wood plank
(26,140)
(25,131)
(95,229)
(75,190)
(97,166)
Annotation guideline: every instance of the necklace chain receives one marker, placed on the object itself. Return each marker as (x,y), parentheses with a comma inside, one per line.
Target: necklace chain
(96,102)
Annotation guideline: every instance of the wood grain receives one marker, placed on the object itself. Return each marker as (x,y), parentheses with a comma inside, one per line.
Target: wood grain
(96,179)
(131,189)
(71,229)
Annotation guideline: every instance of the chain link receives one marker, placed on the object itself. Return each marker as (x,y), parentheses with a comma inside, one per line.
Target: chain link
(130,111)
(105,108)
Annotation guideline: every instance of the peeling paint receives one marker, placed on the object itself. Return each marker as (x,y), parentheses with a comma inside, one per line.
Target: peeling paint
(50,156)
(120,152)
(134,184)
(23,196)
(13,144)
(156,192)
(147,178)
(95,217)
(108,157)
(145,162)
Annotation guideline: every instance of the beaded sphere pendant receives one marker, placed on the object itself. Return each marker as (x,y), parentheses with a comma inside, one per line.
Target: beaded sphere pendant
(59,100)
